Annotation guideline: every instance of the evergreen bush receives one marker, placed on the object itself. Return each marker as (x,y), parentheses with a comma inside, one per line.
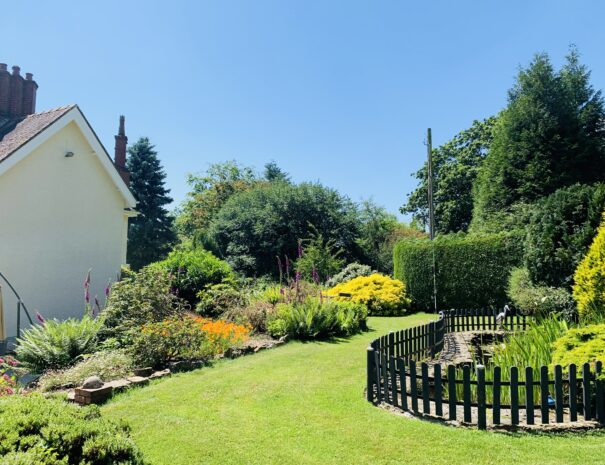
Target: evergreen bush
(472,271)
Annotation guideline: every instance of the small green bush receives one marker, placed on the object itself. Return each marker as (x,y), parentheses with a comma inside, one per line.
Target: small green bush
(57,344)
(580,345)
(589,287)
(319,259)
(560,231)
(255,314)
(472,271)
(314,319)
(192,271)
(351,271)
(36,430)
(219,298)
(139,298)
(539,300)
(107,364)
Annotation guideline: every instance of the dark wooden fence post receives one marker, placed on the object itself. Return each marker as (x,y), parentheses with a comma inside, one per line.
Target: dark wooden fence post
(514,395)
(529,395)
(559,393)
(393,371)
(466,392)
(496,395)
(403,382)
(391,345)
(586,391)
(599,393)
(481,417)
(432,339)
(413,386)
(371,374)
(545,415)
(451,391)
(438,390)
(426,402)
(573,393)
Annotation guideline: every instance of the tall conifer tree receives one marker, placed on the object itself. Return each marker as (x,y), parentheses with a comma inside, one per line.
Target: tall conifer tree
(151,233)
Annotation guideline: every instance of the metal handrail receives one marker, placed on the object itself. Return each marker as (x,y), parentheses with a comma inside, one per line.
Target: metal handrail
(20,304)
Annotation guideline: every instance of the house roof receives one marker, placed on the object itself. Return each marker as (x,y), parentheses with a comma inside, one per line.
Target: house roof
(20,131)
(19,137)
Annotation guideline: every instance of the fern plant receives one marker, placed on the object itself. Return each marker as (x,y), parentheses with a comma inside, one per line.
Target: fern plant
(57,344)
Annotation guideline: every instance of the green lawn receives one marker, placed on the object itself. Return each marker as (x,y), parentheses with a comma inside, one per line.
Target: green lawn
(303,403)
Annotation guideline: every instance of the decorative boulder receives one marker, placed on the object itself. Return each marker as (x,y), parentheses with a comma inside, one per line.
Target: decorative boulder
(93,382)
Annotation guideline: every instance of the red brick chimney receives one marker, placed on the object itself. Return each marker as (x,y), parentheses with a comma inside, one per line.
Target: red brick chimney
(5,82)
(120,152)
(15,101)
(17,95)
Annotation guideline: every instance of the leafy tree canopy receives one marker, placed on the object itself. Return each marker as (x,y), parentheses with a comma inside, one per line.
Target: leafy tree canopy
(550,135)
(255,226)
(208,194)
(455,167)
(151,233)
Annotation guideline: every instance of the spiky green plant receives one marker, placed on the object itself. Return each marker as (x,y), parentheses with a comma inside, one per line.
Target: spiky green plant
(57,344)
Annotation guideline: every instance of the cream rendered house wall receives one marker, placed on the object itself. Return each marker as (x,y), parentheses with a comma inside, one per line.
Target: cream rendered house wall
(59,217)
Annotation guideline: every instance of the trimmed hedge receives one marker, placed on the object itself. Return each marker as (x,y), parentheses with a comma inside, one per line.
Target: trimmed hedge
(472,271)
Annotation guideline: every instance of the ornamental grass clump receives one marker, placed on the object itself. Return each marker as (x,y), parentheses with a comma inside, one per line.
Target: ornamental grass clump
(383,296)
(57,344)
(316,318)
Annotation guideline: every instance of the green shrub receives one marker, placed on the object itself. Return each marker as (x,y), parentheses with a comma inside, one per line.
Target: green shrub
(253,228)
(580,345)
(219,298)
(472,271)
(560,231)
(255,314)
(351,271)
(316,319)
(319,259)
(381,295)
(192,271)
(57,344)
(186,339)
(36,430)
(139,298)
(589,287)
(539,300)
(107,364)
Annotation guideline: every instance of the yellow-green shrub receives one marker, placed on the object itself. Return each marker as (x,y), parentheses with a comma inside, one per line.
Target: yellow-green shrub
(381,294)
(580,345)
(589,278)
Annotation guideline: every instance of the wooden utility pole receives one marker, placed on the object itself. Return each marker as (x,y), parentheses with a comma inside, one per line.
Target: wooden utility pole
(429,150)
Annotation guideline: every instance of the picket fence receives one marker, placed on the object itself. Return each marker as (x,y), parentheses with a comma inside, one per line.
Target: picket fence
(401,372)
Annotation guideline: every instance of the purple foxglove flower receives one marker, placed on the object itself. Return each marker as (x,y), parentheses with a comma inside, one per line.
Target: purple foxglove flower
(107,289)
(279,266)
(40,318)
(97,307)
(321,297)
(87,296)
(87,280)
(315,275)
(282,291)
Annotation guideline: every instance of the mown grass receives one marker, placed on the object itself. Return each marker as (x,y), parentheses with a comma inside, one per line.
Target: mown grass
(303,404)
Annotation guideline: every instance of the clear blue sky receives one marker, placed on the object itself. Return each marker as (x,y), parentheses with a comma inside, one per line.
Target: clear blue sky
(334,91)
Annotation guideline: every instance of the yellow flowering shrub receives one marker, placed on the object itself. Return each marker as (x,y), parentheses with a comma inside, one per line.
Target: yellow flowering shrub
(382,295)
(589,280)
